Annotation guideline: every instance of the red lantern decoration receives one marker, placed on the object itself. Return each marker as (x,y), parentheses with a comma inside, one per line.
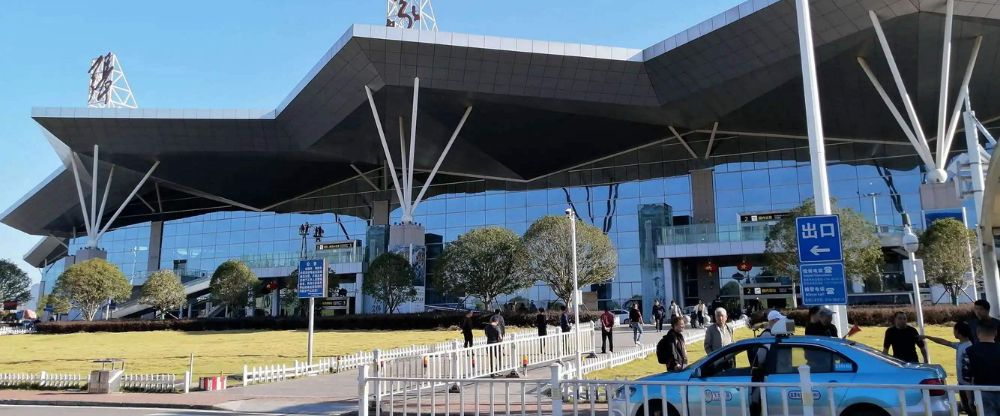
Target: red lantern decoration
(710,267)
(744,266)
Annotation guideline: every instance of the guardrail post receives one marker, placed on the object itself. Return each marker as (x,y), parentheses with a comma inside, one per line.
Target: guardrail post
(559,346)
(245,380)
(805,386)
(513,359)
(363,390)
(377,362)
(456,367)
(187,382)
(555,389)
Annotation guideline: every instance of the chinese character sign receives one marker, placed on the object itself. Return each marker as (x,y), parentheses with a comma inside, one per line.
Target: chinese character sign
(101,70)
(312,279)
(823,284)
(819,238)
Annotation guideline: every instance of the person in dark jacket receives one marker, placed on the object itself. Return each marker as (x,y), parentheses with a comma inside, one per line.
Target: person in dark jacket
(467,325)
(671,351)
(981,308)
(981,368)
(659,312)
(564,320)
(607,326)
(823,324)
(635,322)
(493,336)
(542,323)
(501,323)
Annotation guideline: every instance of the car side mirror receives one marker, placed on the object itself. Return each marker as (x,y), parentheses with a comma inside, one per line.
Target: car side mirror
(696,373)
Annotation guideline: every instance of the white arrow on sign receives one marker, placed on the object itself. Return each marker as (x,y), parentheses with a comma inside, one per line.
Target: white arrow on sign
(817,249)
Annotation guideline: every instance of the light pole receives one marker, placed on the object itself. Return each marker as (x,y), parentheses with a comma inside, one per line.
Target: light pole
(911,243)
(576,293)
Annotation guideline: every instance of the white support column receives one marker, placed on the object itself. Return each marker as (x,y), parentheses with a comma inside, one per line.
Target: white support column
(385,148)
(402,162)
(938,175)
(942,150)
(922,150)
(683,143)
(413,146)
(814,126)
(963,94)
(128,199)
(83,205)
(104,199)
(93,191)
(437,165)
(711,140)
(986,255)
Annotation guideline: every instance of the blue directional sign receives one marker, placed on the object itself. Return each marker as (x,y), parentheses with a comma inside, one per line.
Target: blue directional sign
(823,284)
(312,278)
(819,238)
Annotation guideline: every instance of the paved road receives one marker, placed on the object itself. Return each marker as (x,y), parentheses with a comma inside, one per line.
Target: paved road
(6,410)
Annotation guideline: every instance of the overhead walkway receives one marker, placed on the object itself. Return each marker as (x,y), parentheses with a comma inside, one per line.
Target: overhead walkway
(133,308)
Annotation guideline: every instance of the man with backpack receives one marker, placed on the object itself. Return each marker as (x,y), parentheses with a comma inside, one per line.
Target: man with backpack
(671,351)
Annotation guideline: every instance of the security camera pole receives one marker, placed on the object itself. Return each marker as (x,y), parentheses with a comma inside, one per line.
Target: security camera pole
(576,293)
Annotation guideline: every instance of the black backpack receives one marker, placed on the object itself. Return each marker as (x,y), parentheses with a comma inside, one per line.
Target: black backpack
(663,350)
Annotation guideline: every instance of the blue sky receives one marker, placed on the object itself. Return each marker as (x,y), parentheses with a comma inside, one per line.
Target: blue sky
(244,54)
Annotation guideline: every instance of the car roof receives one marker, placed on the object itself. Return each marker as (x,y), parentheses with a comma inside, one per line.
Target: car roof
(796,339)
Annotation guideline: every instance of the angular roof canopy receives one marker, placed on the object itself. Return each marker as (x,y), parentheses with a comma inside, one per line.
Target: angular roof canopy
(538,108)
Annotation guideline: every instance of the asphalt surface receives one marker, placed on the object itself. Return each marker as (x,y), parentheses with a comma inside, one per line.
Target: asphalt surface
(6,410)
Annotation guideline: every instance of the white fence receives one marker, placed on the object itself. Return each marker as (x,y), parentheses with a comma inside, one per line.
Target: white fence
(410,355)
(153,383)
(557,396)
(15,330)
(621,357)
(42,380)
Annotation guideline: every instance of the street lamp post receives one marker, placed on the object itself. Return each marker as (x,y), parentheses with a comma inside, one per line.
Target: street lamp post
(911,243)
(576,293)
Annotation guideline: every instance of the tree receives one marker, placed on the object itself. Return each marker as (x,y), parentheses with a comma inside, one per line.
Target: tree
(547,243)
(163,291)
(14,283)
(232,284)
(390,281)
(90,284)
(484,263)
(59,305)
(944,247)
(861,245)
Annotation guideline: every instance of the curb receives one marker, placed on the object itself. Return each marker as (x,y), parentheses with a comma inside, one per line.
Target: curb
(72,403)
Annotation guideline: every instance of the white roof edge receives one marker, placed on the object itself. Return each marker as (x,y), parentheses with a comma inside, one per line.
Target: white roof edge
(705,27)
(155,113)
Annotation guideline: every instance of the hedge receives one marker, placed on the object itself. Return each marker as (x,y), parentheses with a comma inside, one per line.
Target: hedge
(883,315)
(357,322)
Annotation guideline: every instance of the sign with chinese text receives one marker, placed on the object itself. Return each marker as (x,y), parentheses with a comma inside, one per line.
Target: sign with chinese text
(823,284)
(312,278)
(819,238)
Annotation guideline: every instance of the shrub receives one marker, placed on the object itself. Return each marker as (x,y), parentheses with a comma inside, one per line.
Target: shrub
(357,322)
(882,315)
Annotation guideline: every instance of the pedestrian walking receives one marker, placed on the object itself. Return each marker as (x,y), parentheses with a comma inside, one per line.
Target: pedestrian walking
(635,322)
(823,324)
(700,311)
(904,340)
(963,333)
(541,323)
(467,325)
(501,323)
(980,366)
(607,328)
(659,312)
(671,350)
(493,336)
(675,310)
(719,334)
(981,309)
(564,320)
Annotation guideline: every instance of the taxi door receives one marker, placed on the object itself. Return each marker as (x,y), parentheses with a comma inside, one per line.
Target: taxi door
(826,366)
(729,369)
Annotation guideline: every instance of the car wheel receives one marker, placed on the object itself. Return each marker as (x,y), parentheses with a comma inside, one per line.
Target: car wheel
(864,411)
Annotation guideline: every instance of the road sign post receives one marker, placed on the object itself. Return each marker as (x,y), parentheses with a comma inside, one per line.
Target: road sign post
(312,284)
(821,260)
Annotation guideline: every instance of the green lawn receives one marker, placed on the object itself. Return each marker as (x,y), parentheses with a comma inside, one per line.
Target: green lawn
(215,351)
(871,336)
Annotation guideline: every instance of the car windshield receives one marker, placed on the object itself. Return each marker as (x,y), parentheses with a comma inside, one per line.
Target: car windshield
(877,354)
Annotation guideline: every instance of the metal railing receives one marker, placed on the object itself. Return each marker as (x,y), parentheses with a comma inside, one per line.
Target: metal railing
(152,383)
(714,233)
(291,258)
(556,395)
(42,379)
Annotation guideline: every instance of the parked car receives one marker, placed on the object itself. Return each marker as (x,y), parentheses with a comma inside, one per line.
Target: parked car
(621,316)
(831,360)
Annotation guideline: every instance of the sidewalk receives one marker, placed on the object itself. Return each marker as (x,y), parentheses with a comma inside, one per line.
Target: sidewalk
(324,394)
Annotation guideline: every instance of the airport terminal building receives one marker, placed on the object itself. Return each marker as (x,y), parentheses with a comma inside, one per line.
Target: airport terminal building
(683,153)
